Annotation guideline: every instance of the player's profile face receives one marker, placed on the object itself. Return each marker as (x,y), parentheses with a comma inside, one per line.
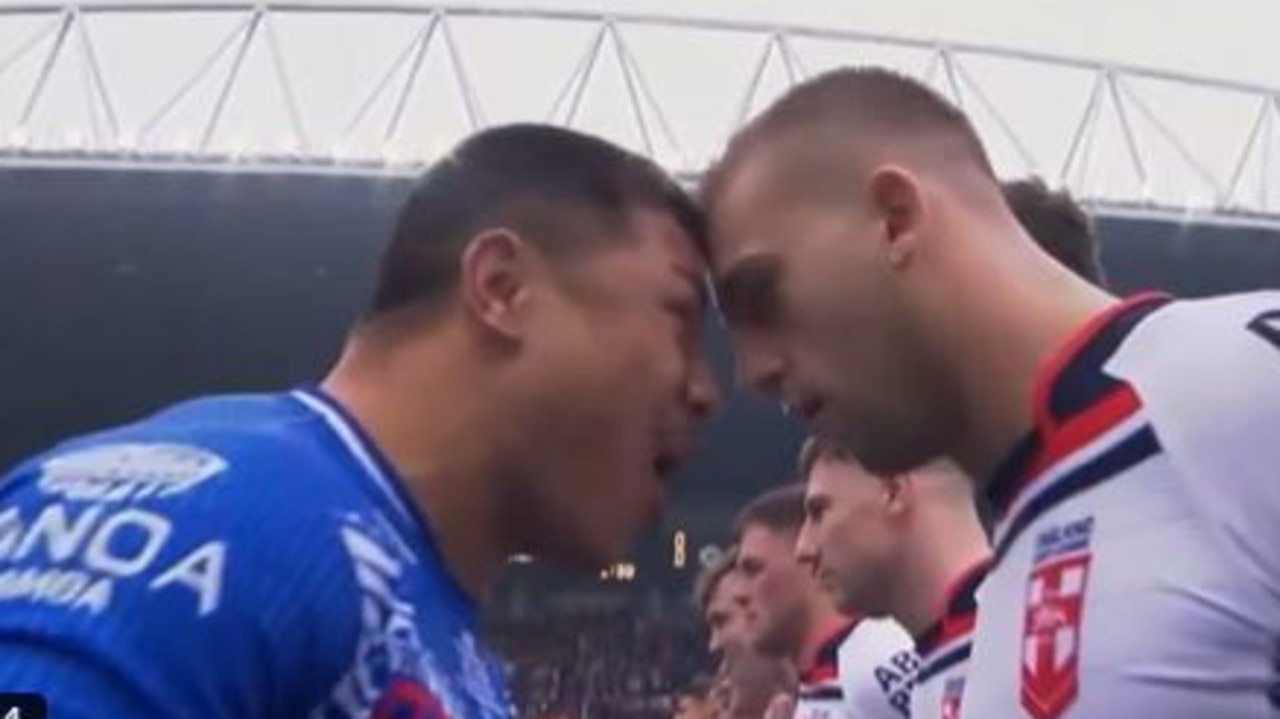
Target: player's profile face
(847,537)
(728,618)
(623,386)
(689,706)
(818,316)
(774,585)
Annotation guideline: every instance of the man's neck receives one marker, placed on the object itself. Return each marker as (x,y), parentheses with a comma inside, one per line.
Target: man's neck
(437,452)
(947,547)
(998,344)
(825,622)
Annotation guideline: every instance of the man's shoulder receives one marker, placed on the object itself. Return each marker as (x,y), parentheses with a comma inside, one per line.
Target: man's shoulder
(1207,373)
(878,664)
(238,484)
(1197,345)
(205,447)
(872,638)
(216,521)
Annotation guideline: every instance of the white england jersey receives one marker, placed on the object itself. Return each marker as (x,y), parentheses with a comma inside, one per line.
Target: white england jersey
(864,671)
(944,650)
(1137,558)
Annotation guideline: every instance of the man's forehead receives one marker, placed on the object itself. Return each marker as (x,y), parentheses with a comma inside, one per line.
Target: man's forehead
(759,541)
(815,492)
(677,248)
(740,210)
(834,470)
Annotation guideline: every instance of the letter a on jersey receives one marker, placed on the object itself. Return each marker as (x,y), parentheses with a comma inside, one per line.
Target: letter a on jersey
(1051,631)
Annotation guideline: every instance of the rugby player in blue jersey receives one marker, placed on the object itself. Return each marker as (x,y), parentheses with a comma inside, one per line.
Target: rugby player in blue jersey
(526,378)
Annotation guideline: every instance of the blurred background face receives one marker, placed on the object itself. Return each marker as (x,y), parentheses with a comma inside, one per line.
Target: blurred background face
(849,535)
(756,680)
(820,317)
(694,706)
(728,618)
(616,390)
(776,587)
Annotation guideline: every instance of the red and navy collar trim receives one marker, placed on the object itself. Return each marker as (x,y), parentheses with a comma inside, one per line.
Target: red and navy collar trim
(948,642)
(1074,401)
(959,613)
(826,662)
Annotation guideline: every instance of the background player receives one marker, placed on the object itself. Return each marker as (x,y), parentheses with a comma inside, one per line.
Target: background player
(1056,223)
(321,552)
(908,546)
(911,545)
(748,680)
(877,281)
(848,666)
(695,701)
(726,618)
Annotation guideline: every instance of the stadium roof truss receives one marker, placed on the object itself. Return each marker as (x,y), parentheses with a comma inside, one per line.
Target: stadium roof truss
(386,88)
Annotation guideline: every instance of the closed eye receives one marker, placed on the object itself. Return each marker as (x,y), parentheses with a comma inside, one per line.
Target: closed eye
(814,508)
(748,291)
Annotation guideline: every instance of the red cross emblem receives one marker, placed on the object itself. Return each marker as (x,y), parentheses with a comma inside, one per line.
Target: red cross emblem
(1051,634)
(951,696)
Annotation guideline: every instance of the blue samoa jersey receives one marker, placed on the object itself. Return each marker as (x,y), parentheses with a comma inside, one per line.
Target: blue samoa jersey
(245,557)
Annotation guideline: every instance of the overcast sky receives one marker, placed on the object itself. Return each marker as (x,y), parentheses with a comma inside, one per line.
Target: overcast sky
(518,67)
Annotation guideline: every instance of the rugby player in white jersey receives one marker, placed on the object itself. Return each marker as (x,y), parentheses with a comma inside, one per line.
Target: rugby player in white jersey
(850,667)
(911,546)
(747,682)
(876,281)
(908,546)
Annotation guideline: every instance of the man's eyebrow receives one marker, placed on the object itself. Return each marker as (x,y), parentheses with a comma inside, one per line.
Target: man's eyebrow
(746,277)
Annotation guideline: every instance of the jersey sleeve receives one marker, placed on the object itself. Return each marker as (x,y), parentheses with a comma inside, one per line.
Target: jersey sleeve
(1208,375)
(158,581)
(877,667)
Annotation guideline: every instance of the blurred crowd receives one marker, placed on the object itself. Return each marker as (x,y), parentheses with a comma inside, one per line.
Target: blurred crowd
(618,663)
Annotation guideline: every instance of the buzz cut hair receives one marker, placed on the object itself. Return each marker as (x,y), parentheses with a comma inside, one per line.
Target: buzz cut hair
(869,105)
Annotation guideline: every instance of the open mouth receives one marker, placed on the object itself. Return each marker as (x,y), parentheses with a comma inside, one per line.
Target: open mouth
(805,409)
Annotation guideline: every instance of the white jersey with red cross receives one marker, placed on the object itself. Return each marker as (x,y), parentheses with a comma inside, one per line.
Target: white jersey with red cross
(1137,557)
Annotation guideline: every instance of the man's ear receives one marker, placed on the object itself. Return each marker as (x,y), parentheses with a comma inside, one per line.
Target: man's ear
(899,490)
(897,198)
(495,278)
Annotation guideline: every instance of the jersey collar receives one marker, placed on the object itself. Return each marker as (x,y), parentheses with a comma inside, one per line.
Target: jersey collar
(389,484)
(1069,386)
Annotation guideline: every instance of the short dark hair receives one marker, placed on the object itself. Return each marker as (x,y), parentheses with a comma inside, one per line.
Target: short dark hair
(854,100)
(704,587)
(780,509)
(1059,225)
(816,449)
(563,190)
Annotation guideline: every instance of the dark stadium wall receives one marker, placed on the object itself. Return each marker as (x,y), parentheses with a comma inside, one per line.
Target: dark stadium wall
(123,290)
